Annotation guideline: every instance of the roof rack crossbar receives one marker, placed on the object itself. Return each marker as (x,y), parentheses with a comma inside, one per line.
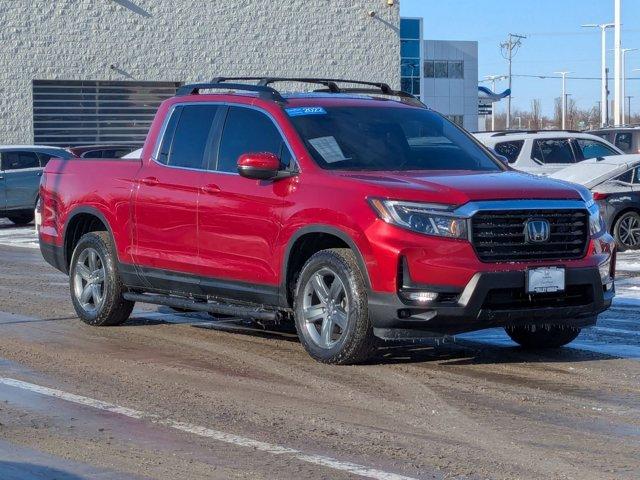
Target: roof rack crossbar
(331,85)
(265,92)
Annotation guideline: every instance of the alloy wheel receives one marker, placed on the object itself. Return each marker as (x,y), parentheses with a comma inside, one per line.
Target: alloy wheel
(88,281)
(629,231)
(325,308)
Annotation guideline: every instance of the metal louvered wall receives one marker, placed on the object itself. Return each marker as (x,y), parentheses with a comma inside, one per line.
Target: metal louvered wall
(79,112)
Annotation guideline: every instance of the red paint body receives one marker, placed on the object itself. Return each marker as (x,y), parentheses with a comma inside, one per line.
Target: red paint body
(229,227)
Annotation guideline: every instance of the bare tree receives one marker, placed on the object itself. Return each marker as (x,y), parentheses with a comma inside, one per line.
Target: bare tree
(536,115)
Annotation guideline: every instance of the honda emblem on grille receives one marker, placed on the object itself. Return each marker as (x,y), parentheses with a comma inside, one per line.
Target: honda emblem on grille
(537,231)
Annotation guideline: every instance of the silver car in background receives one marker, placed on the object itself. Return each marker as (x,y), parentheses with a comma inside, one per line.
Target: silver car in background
(615,184)
(20,172)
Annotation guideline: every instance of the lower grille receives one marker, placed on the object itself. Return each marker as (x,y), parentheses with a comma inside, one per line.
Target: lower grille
(517,298)
(499,235)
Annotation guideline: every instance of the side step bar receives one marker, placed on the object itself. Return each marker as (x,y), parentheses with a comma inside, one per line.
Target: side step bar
(188,304)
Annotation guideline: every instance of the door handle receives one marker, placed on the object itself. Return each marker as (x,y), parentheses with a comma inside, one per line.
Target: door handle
(150,181)
(210,189)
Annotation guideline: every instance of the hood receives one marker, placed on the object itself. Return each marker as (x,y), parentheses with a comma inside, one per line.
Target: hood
(460,187)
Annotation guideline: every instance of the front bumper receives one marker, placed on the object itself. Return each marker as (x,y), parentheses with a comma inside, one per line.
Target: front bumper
(492,299)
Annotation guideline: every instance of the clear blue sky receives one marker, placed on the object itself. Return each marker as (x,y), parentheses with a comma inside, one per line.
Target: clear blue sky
(555,42)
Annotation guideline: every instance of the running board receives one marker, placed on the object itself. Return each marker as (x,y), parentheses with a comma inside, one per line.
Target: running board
(189,304)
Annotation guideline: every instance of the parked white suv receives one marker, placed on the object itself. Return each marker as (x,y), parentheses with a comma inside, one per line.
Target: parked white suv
(546,151)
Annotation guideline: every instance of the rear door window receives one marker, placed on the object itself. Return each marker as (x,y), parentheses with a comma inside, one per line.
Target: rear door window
(192,137)
(19,160)
(248,131)
(593,149)
(553,151)
(624,141)
(626,177)
(511,150)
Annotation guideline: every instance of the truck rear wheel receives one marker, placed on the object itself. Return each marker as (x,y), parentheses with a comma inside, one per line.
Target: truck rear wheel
(96,287)
(331,310)
(543,336)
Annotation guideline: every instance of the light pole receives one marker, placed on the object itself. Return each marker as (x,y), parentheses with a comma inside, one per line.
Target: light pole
(564,98)
(624,78)
(493,79)
(628,97)
(618,98)
(603,73)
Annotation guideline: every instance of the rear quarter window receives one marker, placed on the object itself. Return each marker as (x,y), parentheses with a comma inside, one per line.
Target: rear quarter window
(511,149)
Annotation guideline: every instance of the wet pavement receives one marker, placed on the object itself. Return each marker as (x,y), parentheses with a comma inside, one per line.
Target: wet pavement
(210,400)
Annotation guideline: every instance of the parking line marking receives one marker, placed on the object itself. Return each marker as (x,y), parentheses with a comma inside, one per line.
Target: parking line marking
(218,435)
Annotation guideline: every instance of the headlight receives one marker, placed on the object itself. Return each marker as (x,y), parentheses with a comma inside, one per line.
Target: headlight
(596,223)
(430,219)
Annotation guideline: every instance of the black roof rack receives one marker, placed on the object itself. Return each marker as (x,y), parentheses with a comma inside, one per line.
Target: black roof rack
(269,93)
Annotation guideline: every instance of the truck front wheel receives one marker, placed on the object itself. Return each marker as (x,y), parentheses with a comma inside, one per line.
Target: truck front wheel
(331,309)
(96,287)
(543,336)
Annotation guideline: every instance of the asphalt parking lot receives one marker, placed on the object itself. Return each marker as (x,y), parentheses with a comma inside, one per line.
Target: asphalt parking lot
(157,398)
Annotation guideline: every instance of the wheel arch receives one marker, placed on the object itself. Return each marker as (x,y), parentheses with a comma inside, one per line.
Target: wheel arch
(330,237)
(80,221)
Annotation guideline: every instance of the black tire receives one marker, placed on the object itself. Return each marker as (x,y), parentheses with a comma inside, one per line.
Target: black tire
(543,336)
(113,309)
(356,342)
(21,219)
(623,241)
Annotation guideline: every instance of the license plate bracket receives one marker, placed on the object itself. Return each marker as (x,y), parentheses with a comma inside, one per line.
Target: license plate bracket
(545,280)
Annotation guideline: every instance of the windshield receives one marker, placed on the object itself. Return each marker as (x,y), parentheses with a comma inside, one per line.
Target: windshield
(375,138)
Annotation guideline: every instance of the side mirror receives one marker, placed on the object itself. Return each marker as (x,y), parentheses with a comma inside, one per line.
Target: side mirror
(258,166)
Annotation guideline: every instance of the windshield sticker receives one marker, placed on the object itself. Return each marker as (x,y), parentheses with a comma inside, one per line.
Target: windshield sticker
(328,148)
(296,112)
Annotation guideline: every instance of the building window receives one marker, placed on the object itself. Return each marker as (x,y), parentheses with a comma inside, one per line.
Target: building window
(440,69)
(410,28)
(443,69)
(428,69)
(76,112)
(457,119)
(410,46)
(456,69)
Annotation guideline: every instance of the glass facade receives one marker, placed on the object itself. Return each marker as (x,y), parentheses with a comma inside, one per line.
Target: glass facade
(410,45)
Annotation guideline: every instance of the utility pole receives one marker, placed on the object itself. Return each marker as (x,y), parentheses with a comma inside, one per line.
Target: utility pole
(493,79)
(564,99)
(509,49)
(618,100)
(603,72)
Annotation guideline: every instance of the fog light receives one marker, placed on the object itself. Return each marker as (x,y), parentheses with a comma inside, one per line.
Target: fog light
(421,297)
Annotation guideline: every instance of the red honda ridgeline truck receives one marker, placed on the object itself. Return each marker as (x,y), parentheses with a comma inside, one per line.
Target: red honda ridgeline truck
(357,213)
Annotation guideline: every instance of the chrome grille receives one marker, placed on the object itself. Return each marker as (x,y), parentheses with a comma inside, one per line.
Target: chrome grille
(499,235)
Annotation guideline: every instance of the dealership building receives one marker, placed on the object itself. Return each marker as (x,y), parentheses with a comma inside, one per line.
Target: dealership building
(94,71)
(443,73)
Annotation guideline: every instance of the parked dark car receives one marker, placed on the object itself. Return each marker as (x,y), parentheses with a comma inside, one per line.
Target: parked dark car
(102,151)
(615,183)
(626,139)
(20,171)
